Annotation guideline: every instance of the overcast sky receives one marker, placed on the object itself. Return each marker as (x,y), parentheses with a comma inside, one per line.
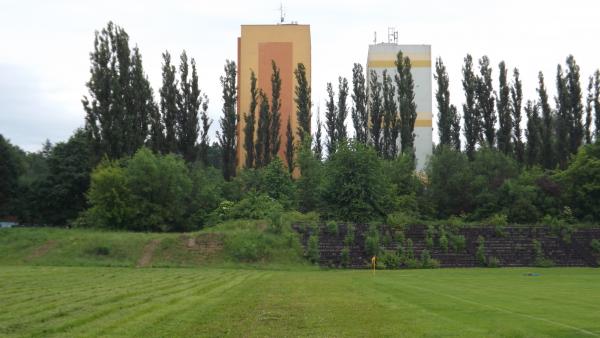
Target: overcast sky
(45,45)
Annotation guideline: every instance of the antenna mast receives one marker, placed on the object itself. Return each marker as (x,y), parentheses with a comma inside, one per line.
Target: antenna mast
(281,13)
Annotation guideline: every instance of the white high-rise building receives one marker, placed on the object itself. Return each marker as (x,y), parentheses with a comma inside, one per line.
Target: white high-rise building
(382,56)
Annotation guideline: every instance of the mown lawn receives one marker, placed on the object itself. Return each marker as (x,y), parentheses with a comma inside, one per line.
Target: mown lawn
(156,302)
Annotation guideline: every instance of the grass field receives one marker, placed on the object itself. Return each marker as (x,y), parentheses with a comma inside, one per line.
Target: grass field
(158,302)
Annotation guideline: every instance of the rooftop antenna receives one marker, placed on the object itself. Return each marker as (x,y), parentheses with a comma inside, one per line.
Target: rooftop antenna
(375,37)
(281,13)
(392,35)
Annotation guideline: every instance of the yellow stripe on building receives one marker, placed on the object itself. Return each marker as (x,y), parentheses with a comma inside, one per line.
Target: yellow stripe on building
(423,123)
(392,63)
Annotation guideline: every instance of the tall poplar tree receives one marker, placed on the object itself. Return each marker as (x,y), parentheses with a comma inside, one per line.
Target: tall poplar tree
(189,104)
(516,99)
(470,112)
(588,112)
(448,119)
(375,110)
(575,107)
(289,146)
(407,107)
(485,101)
(303,101)
(596,99)
(504,114)
(263,146)
(533,134)
(275,118)
(169,96)
(563,121)
(342,110)
(227,136)
(360,117)
(547,130)
(204,139)
(390,117)
(120,97)
(330,121)
(318,147)
(142,103)
(250,122)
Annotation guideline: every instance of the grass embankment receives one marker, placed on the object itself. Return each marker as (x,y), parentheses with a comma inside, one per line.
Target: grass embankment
(230,244)
(99,301)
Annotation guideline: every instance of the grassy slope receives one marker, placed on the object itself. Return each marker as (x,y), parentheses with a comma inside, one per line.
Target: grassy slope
(80,247)
(91,301)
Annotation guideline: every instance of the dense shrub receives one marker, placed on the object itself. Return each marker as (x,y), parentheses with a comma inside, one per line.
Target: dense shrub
(443,240)
(246,246)
(372,241)
(480,253)
(450,178)
(146,193)
(581,183)
(349,238)
(312,249)
(355,187)
(595,245)
(540,259)
(332,228)
(390,260)
(345,257)
(493,262)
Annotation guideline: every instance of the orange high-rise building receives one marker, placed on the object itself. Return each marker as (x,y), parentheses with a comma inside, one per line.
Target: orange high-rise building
(287,45)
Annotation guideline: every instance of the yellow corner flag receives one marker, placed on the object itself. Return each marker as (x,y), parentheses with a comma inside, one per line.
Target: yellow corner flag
(374,263)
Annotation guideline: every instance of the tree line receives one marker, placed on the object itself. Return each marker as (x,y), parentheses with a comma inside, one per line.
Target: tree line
(493,118)
(146,164)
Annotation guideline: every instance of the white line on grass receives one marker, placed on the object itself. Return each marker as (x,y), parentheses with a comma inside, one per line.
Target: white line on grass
(508,311)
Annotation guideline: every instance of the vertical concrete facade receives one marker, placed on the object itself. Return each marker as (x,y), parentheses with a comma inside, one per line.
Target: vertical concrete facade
(382,56)
(258,46)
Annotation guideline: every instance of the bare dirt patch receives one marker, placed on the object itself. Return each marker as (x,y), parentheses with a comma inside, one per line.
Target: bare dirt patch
(148,253)
(42,250)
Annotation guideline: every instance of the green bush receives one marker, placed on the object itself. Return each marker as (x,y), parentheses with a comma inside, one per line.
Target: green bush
(540,259)
(390,260)
(581,182)
(246,246)
(345,257)
(332,228)
(145,193)
(427,262)
(480,253)
(499,221)
(410,252)
(412,263)
(276,221)
(458,243)
(372,242)
(493,262)
(595,245)
(254,206)
(312,250)
(349,238)
(561,226)
(355,186)
(443,239)
(429,235)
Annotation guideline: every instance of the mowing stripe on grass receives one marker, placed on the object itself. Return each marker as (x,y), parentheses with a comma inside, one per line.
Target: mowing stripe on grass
(467,301)
(113,305)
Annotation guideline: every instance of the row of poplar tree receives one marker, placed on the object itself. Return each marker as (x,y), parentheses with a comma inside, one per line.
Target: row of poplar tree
(122,114)
(552,134)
